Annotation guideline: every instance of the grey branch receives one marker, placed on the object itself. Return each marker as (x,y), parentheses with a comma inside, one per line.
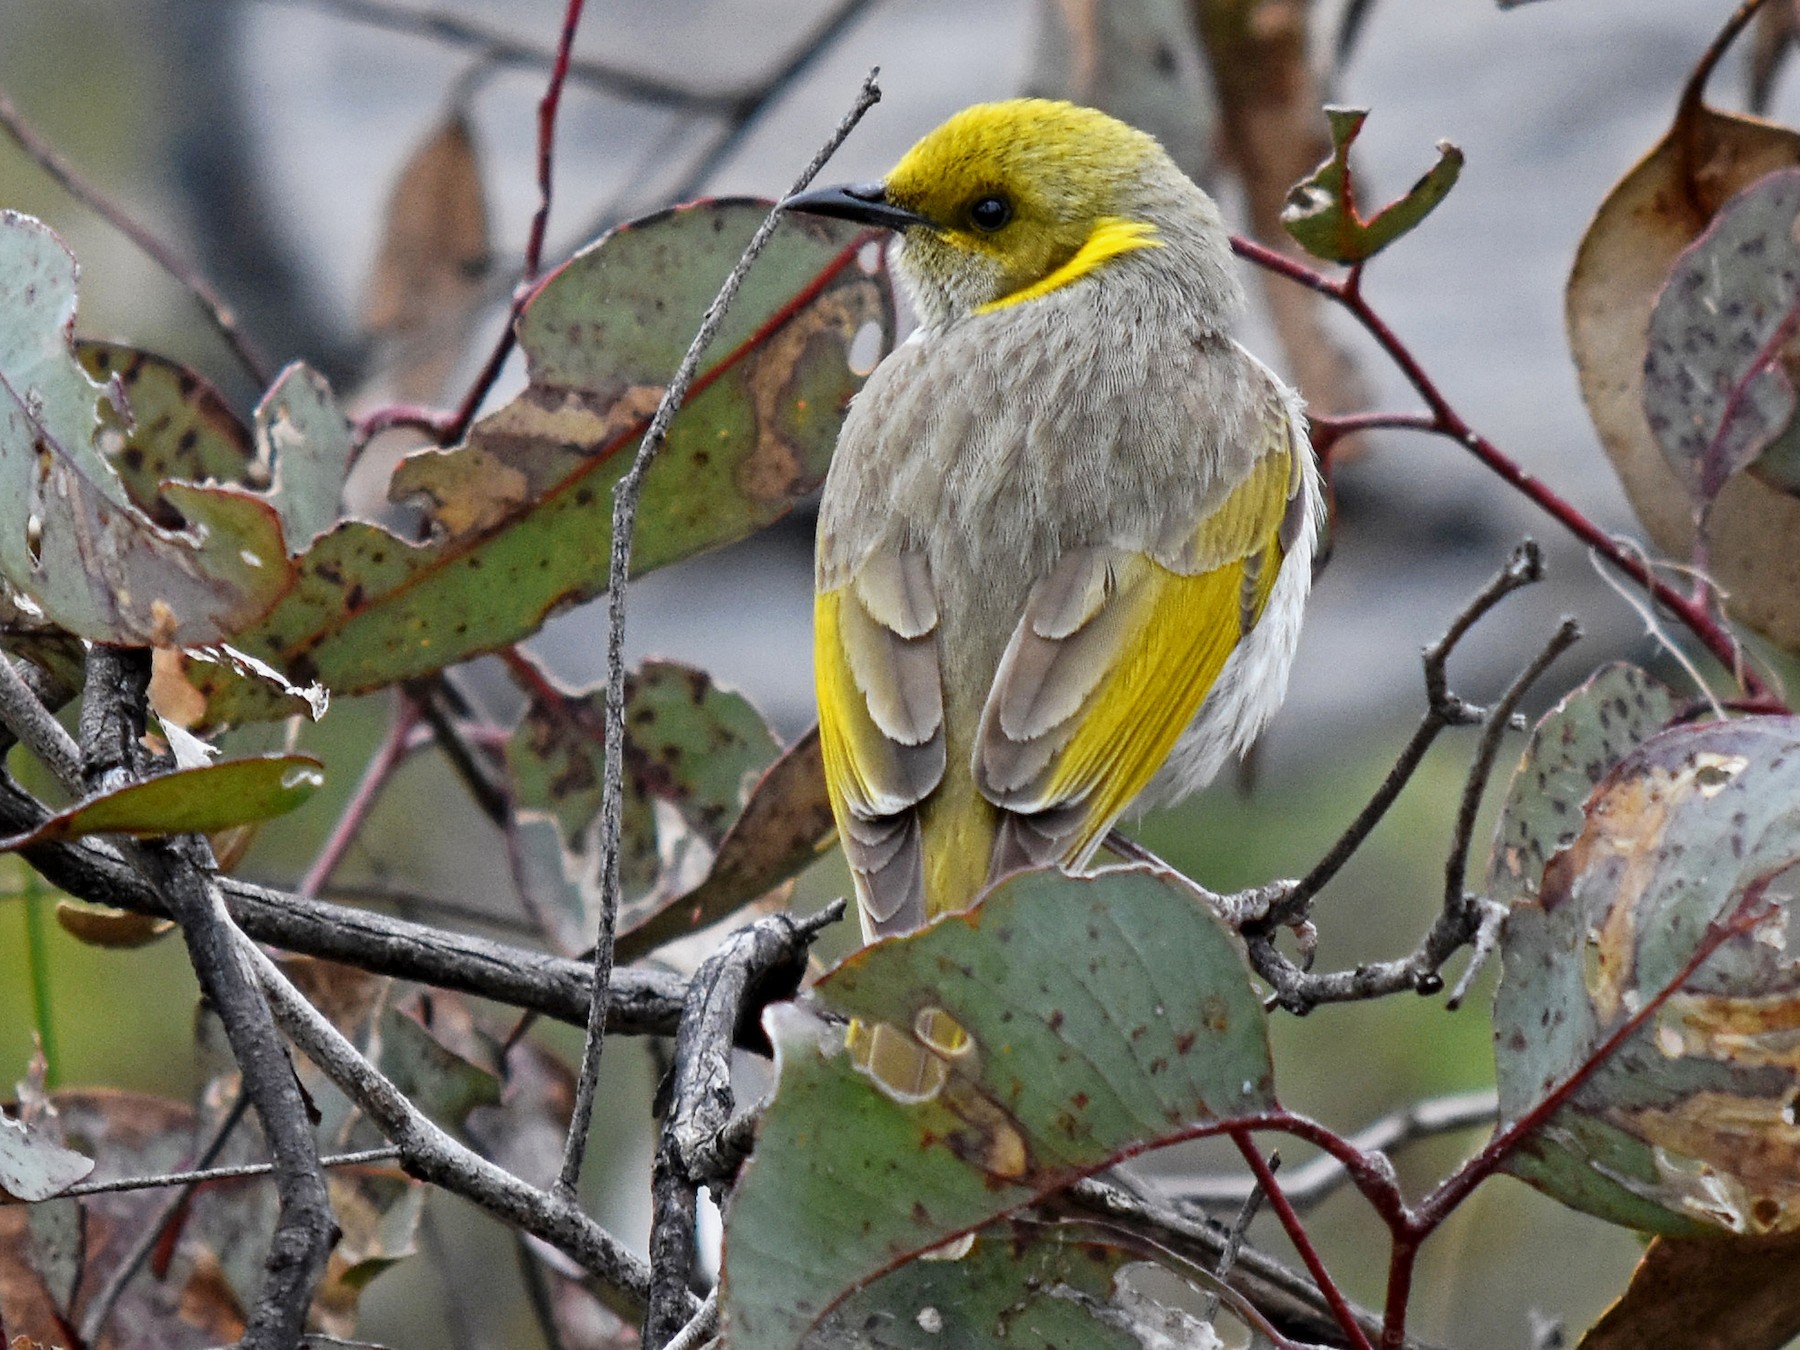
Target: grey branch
(431,1155)
(624,527)
(757,963)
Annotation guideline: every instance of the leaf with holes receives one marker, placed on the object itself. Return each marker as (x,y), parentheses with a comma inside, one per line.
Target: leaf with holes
(1717,388)
(1656,210)
(1060,1025)
(188,801)
(690,745)
(71,537)
(784,824)
(1651,974)
(516,520)
(1321,210)
(1573,747)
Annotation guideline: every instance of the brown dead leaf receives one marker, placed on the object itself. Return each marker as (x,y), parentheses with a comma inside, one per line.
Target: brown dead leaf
(1269,100)
(1724,1293)
(1656,210)
(434,260)
(101,926)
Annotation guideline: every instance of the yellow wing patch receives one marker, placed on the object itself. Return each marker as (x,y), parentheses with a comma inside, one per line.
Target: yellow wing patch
(1111,661)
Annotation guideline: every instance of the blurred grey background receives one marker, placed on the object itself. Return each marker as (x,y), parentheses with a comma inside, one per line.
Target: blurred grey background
(264,136)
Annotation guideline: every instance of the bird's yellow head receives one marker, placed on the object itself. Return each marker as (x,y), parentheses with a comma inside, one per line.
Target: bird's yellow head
(1007,202)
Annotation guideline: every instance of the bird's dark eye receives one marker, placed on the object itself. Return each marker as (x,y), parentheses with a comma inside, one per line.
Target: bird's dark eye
(990,213)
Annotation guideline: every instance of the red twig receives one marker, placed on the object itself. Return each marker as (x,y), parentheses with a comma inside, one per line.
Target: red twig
(380,768)
(211,303)
(1296,1231)
(1444,420)
(457,426)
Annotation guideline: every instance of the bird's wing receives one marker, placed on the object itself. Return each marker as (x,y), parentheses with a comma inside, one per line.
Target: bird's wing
(1114,653)
(881,726)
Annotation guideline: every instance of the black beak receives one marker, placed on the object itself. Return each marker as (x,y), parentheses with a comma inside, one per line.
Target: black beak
(865,203)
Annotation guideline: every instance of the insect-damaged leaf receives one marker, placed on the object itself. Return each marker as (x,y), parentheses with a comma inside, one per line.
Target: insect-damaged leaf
(1572,749)
(1717,392)
(785,822)
(1321,211)
(690,745)
(1686,1124)
(71,538)
(518,518)
(181,428)
(1655,211)
(1023,1286)
(188,801)
(1098,1015)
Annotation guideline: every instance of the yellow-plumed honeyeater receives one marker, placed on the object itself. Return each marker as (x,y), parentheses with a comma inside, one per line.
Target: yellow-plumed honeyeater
(1068,533)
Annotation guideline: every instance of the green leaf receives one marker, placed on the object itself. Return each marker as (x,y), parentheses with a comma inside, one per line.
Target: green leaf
(1573,747)
(784,824)
(1024,1285)
(1100,1015)
(1686,1124)
(1321,210)
(181,428)
(71,538)
(188,801)
(34,1165)
(689,744)
(1717,393)
(517,519)
(302,432)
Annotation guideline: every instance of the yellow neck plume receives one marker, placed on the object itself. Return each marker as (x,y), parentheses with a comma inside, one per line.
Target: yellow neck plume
(1111,237)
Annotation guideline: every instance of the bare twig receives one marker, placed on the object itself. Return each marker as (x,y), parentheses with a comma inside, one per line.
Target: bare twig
(112,728)
(1318,1180)
(697,1332)
(203,1175)
(642,1001)
(1286,1296)
(624,526)
(1263,909)
(766,960)
(1444,420)
(211,303)
(458,425)
(429,1154)
(1234,1240)
(99,1308)
(1459,921)
(41,733)
(441,703)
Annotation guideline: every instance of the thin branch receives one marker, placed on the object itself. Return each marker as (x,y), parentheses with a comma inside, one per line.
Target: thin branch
(208,1174)
(624,527)
(40,732)
(1297,1234)
(1461,917)
(1309,1185)
(1234,1240)
(497,47)
(112,728)
(697,1332)
(431,1155)
(642,1001)
(1445,421)
(1286,1296)
(106,1298)
(211,303)
(440,703)
(458,425)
